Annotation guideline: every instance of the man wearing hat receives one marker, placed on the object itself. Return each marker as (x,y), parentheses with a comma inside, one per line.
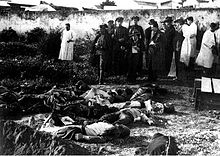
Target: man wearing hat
(193,41)
(135,58)
(148,34)
(177,44)
(103,49)
(120,47)
(169,34)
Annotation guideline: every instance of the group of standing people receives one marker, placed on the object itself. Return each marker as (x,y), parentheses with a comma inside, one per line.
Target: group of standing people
(171,49)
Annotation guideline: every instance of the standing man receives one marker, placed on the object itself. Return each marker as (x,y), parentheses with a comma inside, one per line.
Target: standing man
(217,57)
(103,49)
(135,58)
(206,55)
(192,34)
(177,44)
(137,28)
(111,30)
(154,52)
(148,34)
(67,44)
(120,47)
(169,34)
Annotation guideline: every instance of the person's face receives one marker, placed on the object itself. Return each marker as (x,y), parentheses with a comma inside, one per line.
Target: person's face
(102,30)
(188,22)
(110,24)
(135,21)
(67,27)
(119,23)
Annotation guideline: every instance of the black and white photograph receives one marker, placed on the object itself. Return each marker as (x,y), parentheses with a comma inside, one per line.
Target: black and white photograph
(110,77)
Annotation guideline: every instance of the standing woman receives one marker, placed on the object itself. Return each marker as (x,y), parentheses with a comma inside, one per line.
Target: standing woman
(67,44)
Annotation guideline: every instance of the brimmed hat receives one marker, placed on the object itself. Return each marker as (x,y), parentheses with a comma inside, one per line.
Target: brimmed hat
(110,21)
(119,19)
(135,17)
(151,22)
(180,21)
(167,19)
(103,26)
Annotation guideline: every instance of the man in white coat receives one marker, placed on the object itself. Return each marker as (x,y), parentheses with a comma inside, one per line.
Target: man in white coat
(192,34)
(67,44)
(206,56)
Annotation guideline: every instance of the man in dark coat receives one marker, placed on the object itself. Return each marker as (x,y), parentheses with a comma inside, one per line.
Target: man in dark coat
(169,35)
(103,49)
(154,52)
(148,32)
(177,44)
(135,58)
(120,47)
(137,28)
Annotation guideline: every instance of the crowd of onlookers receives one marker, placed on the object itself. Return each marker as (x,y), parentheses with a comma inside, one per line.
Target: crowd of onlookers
(173,48)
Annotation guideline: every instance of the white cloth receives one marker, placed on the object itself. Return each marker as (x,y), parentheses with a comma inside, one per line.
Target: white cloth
(205,57)
(186,45)
(172,72)
(98,128)
(66,50)
(193,32)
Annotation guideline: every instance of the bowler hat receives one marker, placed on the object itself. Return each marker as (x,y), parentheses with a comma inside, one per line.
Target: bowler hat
(167,19)
(119,19)
(135,17)
(103,26)
(181,21)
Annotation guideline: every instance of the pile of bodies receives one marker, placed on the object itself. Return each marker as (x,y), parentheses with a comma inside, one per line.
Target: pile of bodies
(82,113)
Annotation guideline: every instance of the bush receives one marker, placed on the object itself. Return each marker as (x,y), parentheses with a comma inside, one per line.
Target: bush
(8,35)
(12,49)
(51,45)
(36,35)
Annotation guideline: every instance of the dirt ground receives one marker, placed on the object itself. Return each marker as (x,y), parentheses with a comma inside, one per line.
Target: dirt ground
(196,132)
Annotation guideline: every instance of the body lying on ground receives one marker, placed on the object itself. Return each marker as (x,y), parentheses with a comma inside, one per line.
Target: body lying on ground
(92,132)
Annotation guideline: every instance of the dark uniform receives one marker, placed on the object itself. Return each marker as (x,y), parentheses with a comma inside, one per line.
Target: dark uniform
(139,42)
(135,58)
(103,49)
(120,49)
(177,44)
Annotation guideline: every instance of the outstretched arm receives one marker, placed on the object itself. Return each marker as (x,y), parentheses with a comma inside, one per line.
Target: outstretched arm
(90,139)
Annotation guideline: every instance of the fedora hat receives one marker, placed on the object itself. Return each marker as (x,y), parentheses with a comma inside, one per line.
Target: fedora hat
(167,19)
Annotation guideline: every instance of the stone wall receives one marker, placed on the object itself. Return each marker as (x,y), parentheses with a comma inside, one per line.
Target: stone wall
(84,23)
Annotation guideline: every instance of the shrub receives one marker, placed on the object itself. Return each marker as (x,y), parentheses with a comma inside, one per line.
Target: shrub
(50,46)
(8,35)
(12,49)
(36,35)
